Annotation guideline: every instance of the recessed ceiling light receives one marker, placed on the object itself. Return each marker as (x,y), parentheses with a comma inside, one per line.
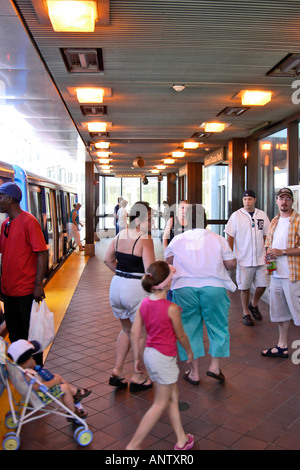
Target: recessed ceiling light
(255,97)
(72,16)
(103,154)
(214,126)
(178,154)
(97,126)
(102,145)
(190,145)
(90,95)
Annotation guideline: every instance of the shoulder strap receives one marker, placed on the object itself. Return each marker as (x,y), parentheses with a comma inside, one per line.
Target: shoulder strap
(135,244)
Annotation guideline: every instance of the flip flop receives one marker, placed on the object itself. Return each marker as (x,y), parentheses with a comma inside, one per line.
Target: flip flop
(191,381)
(188,445)
(219,376)
(117,382)
(280,352)
(135,387)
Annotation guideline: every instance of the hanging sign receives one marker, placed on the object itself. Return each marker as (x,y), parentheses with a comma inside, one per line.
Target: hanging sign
(215,157)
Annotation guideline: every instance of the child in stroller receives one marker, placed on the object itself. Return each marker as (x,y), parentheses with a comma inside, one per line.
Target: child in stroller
(22,353)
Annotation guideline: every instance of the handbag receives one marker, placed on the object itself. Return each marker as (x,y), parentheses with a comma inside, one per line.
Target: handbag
(41,326)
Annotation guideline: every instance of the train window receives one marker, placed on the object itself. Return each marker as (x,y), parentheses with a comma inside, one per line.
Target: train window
(48,209)
(59,213)
(33,202)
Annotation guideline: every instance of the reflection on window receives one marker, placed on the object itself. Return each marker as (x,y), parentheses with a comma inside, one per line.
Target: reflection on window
(273,168)
(215,194)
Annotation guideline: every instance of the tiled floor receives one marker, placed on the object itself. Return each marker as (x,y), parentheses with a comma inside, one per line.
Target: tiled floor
(258,407)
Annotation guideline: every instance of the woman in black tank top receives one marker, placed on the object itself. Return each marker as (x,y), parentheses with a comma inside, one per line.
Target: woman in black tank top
(128,256)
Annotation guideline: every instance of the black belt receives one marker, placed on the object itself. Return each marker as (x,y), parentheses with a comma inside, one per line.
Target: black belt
(128,275)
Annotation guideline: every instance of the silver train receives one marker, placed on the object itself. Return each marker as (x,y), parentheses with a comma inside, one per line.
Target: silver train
(50,202)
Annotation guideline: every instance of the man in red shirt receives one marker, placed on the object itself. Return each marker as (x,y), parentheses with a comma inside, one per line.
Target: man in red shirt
(23,263)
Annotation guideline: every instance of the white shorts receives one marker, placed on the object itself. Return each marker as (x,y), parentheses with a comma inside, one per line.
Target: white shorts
(162,369)
(258,275)
(125,297)
(284,300)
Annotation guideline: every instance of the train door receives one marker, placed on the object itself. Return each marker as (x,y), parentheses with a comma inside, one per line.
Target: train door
(51,227)
(60,225)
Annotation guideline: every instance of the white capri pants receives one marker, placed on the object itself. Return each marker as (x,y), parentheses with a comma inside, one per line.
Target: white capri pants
(125,297)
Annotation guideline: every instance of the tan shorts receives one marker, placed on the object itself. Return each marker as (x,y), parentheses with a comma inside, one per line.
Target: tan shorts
(284,300)
(161,369)
(258,275)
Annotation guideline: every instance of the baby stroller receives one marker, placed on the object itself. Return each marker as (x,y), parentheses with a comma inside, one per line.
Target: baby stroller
(31,406)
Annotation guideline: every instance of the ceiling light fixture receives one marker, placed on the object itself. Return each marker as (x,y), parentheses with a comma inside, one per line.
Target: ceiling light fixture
(97,126)
(104,161)
(255,97)
(103,154)
(102,145)
(90,95)
(169,161)
(178,88)
(105,167)
(190,145)
(154,171)
(214,126)
(178,154)
(161,167)
(72,16)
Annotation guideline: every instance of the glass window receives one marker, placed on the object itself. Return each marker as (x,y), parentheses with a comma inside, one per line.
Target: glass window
(215,195)
(150,192)
(108,200)
(273,168)
(131,190)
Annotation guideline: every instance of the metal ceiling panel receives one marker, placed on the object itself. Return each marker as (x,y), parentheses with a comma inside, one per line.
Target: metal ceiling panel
(214,48)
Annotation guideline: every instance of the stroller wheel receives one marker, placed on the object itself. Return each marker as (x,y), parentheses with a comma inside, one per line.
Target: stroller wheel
(83,436)
(9,420)
(11,441)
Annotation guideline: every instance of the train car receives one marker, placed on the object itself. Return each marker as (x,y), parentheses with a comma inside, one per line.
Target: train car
(50,202)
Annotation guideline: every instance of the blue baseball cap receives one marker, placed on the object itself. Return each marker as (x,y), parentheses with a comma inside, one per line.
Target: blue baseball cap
(12,190)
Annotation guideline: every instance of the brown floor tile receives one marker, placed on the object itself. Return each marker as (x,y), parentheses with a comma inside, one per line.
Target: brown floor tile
(257,408)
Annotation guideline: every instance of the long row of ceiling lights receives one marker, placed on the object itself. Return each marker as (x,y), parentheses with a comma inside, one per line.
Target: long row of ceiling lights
(90,95)
(248,98)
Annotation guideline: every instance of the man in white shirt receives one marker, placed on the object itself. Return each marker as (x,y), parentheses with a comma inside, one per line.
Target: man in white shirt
(283,245)
(246,231)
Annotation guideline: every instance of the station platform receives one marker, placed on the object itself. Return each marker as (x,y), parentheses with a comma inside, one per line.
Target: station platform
(257,408)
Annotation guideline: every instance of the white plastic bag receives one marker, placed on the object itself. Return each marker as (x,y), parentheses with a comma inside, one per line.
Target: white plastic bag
(41,327)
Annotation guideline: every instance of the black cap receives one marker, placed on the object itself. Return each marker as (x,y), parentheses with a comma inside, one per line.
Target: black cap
(286,191)
(249,192)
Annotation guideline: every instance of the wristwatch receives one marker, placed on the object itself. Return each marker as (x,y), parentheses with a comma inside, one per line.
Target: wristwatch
(283,252)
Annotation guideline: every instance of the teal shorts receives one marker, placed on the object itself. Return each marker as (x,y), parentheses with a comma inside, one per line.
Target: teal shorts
(209,306)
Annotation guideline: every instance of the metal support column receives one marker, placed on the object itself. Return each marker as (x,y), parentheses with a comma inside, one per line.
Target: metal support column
(89,209)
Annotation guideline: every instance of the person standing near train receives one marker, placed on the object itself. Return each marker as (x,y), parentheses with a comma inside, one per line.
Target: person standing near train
(74,226)
(23,263)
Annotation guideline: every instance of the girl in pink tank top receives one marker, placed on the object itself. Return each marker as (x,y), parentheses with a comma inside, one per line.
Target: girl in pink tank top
(162,321)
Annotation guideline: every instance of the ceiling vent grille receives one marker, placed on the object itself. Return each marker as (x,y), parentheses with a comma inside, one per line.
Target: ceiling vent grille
(201,135)
(93,110)
(289,66)
(83,60)
(97,135)
(233,111)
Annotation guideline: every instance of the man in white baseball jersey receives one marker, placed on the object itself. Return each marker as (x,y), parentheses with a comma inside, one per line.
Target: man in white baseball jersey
(246,231)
